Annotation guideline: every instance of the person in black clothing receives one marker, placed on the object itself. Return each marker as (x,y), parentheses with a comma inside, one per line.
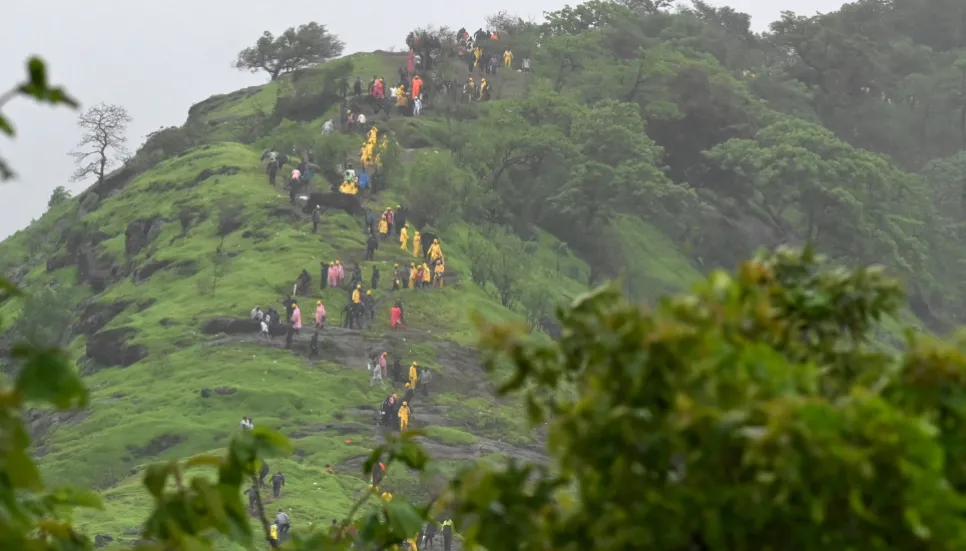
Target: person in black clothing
(278,480)
(263,474)
(251,492)
(400,221)
(314,345)
(316,218)
(429,534)
(371,245)
(396,374)
(447,535)
(374,282)
(357,87)
(283,523)
(409,395)
(324,274)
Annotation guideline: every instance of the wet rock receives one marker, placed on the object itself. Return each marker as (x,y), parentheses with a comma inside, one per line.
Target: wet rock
(166,322)
(208,173)
(59,261)
(96,315)
(107,348)
(102,540)
(348,203)
(186,268)
(229,326)
(96,269)
(205,393)
(156,446)
(143,273)
(225,391)
(140,233)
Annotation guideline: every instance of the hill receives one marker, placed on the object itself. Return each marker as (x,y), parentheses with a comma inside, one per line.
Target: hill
(645,145)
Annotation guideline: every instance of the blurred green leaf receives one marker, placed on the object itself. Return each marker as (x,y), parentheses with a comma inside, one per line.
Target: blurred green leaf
(47,376)
(156,478)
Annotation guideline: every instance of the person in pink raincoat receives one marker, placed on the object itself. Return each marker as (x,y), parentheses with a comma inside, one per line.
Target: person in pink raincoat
(319,314)
(296,317)
(411,62)
(383,359)
(333,281)
(339,273)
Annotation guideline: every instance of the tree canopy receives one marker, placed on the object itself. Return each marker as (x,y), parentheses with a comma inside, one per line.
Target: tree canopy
(295,49)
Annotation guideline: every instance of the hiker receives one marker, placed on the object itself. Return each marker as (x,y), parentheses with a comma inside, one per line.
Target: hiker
(404,238)
(435,252)
(396,277)
(429,534)
(357,87)
(395,317)
(339,274)
(399,220)
(374,281)
(319,315)
(378,472)
(413,375)
(417,245)
(314,345)
(417,86)
(323,275)
(369,303)
(447,534)
(264,472)
(413,276)
(257,314)
(263,330)
(356,276)
(296,317)
(438,274)
(409,394)
(383,227)
(246,424)
(388,409)
(404,417)
(371,245)
(425,376)
(383,359)
(375,375)
(332,274)
(396,373)
(427,275)
(283,522)
(316,218)
(275,161)
(525,65)
(370,221)
(273,533)
(328,127)
(417,106)
(507,58)
(252,493)
(278,480)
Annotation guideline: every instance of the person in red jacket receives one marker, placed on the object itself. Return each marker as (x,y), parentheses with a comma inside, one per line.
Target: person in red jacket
(395,317)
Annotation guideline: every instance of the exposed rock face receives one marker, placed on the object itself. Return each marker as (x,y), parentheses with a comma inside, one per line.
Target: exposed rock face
(143,273)
(97,269)
(229,326)
(107,348)
(208,173)
(140,233)
(96,315)
(102,540)
(348,203)
(156,446)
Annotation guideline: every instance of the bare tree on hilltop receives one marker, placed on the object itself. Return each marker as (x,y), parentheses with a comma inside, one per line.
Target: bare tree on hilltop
(103,144)
(295,49)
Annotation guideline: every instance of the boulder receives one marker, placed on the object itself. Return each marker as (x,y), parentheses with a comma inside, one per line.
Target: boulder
(229,326)
(102,540)
(140,233)
(348,203)
(96,315)
(107,348)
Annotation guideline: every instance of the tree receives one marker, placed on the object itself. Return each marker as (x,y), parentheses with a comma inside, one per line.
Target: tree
(58,196)
(434,188)
(295,49)
(751,413)
(103,143)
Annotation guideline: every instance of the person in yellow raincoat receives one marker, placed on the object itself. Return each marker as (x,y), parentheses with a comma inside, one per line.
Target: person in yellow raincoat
(396,277)
(435,252)
(477,54)
(412,544)
(386,497)
(413,376)
(438,273)
(412,275)
(357,294)
(273,531)
(401,96)
(427,275)
(383,227)
(404,238)
(417,245)
(404,417)
(483,85)
(507,58)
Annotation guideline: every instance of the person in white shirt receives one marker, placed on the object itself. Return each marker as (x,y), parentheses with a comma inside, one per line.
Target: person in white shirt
(264,332)
(376,373)
(417,106)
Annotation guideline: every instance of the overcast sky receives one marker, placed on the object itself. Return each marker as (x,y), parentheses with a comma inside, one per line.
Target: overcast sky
(159,58)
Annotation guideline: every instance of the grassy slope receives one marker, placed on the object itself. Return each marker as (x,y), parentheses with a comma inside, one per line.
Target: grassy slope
(135,408)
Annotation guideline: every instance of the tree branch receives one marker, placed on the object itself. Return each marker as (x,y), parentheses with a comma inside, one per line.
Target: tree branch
(261,513)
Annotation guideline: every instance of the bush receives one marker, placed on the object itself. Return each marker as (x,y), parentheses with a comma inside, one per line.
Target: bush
(434,189)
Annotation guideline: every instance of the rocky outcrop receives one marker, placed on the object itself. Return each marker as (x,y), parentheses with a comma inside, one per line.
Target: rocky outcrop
(143,273)
(208,173)
(96,315)
(156,446)
(97,269)
(140,233)
(231,326)
(108,348)
(348,203)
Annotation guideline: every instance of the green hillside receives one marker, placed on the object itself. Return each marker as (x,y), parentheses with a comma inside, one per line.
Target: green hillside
(646,145)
